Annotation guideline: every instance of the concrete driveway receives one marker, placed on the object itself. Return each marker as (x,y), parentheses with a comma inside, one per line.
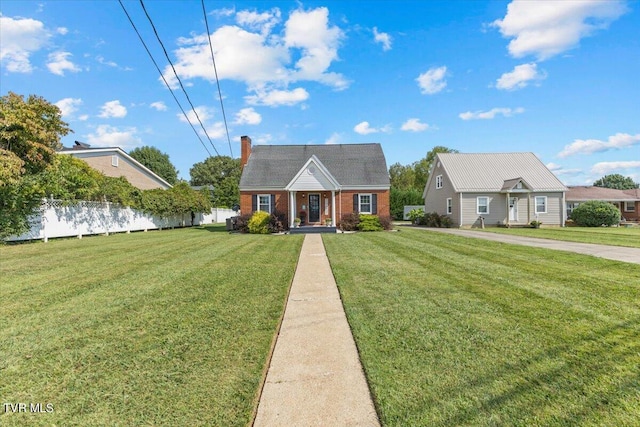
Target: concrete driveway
(616,253)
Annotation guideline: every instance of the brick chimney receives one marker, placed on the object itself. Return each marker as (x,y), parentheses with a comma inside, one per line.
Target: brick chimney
(245,150)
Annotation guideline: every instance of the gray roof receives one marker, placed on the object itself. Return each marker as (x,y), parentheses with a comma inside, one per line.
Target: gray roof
(584,193)
(274,166)
(473,172)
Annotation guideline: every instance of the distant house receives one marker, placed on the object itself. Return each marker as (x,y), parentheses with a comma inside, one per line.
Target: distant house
(627,201)
(314,182)
(113,161)
(505,189)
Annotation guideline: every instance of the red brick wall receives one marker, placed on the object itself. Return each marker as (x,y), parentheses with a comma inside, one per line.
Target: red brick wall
(346,199)
(282,201)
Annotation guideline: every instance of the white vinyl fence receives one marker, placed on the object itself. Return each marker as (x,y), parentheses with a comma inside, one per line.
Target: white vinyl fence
(57,219)
(409,208)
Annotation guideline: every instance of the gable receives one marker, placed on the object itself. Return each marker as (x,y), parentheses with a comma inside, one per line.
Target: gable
(313,176)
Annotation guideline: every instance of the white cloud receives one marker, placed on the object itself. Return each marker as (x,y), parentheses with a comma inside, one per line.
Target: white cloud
(83,117)
(62,30)
(414,125)
(432,81)
(103,61)
(520,77)
(58,63)
(259,56)
(159,106)
(491,114)
(588,146)
(113,109)
(559,170)
(215,130)
(364,128)
(546,28)
(335,138)
(68,106)
(248,116)
(20,38)
(109,136)
(383,38)
(276,98)
(204,113)
(604,168)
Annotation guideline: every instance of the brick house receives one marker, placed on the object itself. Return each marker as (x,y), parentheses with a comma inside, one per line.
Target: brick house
(314,182)
(627,201)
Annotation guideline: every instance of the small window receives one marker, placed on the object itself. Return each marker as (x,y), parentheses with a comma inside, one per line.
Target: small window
(629,206)
(364,205)
(439,181)
(114,161)
(264,202)
(541,204)
(482,205)
(449,206)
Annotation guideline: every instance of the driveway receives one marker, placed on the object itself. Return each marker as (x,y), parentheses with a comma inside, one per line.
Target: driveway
(616,253)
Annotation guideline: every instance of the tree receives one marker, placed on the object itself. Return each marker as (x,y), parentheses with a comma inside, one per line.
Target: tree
(30,133)
(223,172)
(402,177)
(616,181)
(157,161)
(399,198)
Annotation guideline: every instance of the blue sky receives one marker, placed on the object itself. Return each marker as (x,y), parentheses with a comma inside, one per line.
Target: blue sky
(560,79)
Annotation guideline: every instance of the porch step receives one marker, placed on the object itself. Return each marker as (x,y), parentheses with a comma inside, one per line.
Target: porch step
(312,230)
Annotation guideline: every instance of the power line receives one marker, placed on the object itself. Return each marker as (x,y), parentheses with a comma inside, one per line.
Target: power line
(215,70)
(163,79)
(177,77)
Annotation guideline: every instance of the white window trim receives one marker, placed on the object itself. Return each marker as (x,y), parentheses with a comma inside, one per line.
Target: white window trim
(439,182)
(449,206)
(114,160)
(629,206)
(535,202)
(478,205)
(360,203)
(258,204)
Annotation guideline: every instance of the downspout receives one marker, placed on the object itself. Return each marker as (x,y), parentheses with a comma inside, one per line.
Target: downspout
(564,210)
(460,209)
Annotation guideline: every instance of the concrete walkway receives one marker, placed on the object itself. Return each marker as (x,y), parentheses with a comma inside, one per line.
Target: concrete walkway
(315,377)
(616,253)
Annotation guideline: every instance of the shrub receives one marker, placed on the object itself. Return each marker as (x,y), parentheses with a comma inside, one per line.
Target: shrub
(369,223)
(242,223)
(349,222)
(433,219)
(386,222)
(259,223)
(446,221)
(416,215)
(278,222)
(595,213)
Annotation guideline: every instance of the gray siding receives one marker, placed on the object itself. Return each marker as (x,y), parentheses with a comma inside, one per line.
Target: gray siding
(555,209)
(436,200)
(497,209)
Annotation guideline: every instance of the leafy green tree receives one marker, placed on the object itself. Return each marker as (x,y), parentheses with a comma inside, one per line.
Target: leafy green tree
(402,176)
(398,198)
(30,133)
(157,161)
(617,181)
(223,172)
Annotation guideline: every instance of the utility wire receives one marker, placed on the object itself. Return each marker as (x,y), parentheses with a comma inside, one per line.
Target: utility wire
(165,81)
(177,77)
(215,70)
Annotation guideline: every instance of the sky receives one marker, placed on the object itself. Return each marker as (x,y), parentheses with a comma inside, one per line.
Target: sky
(558,78)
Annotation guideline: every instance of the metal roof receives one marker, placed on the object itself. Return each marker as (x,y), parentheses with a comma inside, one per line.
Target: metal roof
(274,166)
(489,172)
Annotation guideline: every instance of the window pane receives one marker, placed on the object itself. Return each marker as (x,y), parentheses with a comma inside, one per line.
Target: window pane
(365,203)
(264,203)
(483,205)
(541,204)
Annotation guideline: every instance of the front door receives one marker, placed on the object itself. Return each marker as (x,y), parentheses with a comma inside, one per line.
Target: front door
(314,208)
(513,209)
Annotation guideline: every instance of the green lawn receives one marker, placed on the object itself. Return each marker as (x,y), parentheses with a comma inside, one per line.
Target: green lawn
(158,328)
(616,236)
(455,331)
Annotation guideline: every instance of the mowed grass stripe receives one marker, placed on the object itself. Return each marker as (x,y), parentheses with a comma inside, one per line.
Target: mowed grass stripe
(614,236)
(457,331)
(169,327)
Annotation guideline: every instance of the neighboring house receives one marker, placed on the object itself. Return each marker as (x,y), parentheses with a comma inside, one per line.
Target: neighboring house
(113,161)
(504,189)
(627,201)
(318,182)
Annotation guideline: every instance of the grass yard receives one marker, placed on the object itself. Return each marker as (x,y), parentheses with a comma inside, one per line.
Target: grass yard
(158,328)
(455,331)
(616,236)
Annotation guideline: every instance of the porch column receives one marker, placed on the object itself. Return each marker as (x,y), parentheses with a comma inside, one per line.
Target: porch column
(333,208)
(292,209)
(508,210)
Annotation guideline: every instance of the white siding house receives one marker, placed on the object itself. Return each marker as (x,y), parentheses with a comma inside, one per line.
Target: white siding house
(494,189)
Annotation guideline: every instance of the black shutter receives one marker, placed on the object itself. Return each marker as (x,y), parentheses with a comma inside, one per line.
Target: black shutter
(374,204)
(273,203)
(355,203)
(254,203)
